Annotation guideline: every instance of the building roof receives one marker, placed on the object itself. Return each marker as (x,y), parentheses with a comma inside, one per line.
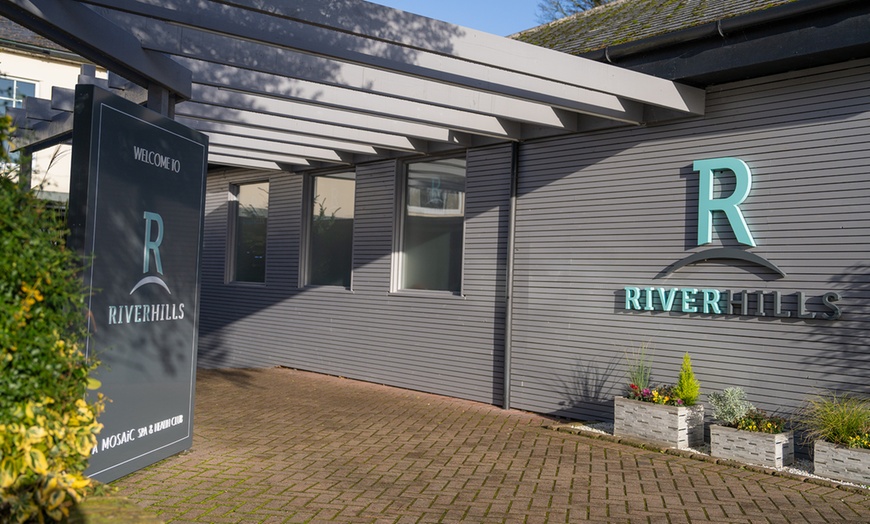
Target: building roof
(704,42)
(11,32)
(16,38)
(624,21)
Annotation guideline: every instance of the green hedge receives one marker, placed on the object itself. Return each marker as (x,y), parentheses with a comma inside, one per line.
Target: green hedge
(48,427)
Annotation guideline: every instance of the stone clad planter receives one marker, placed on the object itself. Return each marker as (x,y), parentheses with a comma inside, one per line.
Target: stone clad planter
(842,463)
(680,427)
(772,450)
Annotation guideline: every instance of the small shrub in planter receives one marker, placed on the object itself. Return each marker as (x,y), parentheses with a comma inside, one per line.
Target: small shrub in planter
(639,369)
(748,434)
(664,413)
(684,393)
(839,425)
(688,388)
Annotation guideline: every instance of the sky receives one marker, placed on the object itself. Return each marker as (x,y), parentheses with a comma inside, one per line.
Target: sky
(500,17)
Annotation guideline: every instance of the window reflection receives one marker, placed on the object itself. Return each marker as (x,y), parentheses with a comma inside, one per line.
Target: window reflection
(251,216)
(331,237)
(433,226)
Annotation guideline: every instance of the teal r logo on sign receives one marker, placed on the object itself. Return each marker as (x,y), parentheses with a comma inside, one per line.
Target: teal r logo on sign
(162,311)
(709,301)
(152,247)
(729,205)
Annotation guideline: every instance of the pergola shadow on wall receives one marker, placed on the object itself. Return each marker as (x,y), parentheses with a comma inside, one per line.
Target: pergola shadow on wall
(290,86)
(287,87)
(308,84)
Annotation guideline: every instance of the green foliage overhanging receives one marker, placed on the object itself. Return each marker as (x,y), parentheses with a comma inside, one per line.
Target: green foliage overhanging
(47,426)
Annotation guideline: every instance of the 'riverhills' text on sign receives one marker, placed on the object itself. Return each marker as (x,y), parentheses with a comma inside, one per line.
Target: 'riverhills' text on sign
(138,313)
(742,303)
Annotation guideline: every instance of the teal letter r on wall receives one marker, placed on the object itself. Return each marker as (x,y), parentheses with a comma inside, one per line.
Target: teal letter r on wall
(707,204)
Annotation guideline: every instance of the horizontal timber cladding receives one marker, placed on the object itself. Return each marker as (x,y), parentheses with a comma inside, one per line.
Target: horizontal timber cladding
(434,342)
(603,211)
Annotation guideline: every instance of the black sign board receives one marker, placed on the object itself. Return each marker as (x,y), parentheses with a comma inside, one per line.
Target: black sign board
(136,210)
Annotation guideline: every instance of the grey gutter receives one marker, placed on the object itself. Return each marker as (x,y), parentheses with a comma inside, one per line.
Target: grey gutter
(43,51)
(718,29)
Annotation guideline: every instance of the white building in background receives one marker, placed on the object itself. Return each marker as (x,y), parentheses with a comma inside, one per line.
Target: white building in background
(30,66)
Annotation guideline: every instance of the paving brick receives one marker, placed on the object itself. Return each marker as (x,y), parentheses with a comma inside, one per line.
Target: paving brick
(284,446)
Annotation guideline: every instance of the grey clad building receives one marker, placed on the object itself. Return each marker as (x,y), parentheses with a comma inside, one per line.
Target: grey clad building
(433,208)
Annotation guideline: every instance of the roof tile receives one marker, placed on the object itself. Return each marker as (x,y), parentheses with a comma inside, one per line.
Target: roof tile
(13,32)
(624,21)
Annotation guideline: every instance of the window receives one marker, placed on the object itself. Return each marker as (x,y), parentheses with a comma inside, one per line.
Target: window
(433,224)
(330,246)
(249,205)
(12,93)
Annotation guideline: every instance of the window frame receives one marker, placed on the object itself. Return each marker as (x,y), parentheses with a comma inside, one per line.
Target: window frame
(399,262)
(13,98)
(306,251)
(232,236)
(14,102)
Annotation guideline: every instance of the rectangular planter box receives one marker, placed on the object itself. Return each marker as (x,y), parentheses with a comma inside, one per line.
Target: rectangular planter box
(765,449)
(842,463)
(679,427)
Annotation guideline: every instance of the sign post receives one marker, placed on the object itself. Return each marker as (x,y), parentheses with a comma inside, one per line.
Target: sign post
(136,212)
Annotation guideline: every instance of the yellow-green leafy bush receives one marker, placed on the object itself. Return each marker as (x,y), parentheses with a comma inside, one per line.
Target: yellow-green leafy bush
(47,428)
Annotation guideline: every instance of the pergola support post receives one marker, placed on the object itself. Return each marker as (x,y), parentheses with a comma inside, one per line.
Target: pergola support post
(160,100)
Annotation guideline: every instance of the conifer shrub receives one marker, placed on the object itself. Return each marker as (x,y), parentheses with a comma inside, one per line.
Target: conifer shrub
(47,426)
(687,387)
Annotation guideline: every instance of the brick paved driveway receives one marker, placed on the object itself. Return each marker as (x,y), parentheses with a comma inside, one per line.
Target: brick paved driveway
(279,446)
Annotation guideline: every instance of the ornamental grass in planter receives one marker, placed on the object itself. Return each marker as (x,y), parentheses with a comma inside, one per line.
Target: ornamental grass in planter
(663,414)
(746,433)
(839,426)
